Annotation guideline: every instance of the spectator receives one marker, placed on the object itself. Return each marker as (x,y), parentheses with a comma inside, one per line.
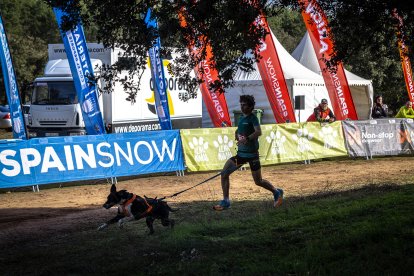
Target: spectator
(322,113)
(406,111)
(379,110)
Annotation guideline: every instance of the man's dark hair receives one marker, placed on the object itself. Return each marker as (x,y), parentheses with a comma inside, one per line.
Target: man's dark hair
(249,99)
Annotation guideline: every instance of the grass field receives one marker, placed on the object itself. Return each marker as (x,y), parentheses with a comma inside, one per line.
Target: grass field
(342,217)
(368,231)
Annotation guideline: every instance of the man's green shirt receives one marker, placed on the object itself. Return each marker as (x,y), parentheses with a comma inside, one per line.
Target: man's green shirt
(246,127)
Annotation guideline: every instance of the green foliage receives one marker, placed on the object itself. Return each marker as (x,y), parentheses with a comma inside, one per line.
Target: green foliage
(370,229)
(364,34)
(288,27)
(29,28)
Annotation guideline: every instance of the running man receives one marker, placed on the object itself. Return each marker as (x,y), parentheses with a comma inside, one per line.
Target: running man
(247,137)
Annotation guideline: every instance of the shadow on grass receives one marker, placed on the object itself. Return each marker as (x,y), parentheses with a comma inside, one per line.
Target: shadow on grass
(369,230)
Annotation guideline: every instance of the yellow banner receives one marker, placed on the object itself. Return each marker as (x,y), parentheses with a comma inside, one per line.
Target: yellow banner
(209,148)
(284,143)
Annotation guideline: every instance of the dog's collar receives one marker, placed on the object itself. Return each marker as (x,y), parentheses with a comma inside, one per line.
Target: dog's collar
(129,201)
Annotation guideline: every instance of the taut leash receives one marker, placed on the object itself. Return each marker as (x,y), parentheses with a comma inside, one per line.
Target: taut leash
(204,181)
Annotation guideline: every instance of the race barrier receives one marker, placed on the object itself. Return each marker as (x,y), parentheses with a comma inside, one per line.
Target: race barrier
(380,137)
(73,158)
(208,149)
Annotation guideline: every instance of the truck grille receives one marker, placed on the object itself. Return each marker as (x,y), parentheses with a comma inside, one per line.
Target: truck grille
(52,123)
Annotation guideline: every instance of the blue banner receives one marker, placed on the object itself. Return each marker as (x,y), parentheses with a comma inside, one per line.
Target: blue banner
(71,158)
(82,72)
(158,78)
(12,91)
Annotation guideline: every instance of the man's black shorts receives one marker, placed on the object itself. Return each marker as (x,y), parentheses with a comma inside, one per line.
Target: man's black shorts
(254,162)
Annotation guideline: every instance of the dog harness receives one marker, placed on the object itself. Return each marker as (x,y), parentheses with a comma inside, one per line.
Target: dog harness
(146,212)
(126,207)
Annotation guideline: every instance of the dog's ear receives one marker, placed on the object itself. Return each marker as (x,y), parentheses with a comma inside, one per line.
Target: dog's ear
(113,188)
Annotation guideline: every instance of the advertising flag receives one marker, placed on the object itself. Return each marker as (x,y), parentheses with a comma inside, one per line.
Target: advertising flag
(158,78)
(405,60)
(83,76)
(335,78)
(273,79)
(215,101)
(12,91)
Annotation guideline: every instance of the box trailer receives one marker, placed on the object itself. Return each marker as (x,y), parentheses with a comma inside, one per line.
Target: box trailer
(55,110)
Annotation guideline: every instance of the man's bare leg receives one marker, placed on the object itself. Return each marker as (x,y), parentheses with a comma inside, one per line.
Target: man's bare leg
(259,181)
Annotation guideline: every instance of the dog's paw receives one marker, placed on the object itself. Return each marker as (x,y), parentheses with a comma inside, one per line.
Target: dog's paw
(120,224)
(102,226)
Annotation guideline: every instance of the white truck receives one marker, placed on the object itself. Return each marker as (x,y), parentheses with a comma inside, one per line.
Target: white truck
(55,110)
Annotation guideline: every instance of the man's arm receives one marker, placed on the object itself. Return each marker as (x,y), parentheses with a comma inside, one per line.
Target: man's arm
(410,113)
(255,135)
(332,117)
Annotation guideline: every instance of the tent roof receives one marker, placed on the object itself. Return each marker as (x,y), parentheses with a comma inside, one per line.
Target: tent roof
(292,69)
(305,54)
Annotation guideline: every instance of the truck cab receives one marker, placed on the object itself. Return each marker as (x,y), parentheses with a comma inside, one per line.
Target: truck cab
(55,109)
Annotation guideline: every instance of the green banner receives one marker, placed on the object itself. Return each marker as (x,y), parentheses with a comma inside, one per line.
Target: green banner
(209,148)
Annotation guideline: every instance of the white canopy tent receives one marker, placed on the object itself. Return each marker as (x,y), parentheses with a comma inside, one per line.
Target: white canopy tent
(299,79)
(361,89)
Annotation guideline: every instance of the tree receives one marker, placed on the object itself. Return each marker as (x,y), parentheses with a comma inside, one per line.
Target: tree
(366,42)
(288,27)
(29,27)
(363,31)
(225,25)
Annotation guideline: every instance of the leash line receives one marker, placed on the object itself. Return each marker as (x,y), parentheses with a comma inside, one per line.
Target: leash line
(204,181)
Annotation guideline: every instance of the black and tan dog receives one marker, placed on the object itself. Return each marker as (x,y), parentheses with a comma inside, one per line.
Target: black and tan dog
(131,206)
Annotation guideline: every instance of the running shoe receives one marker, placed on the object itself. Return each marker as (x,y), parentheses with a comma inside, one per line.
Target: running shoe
(278,198)
(223,205)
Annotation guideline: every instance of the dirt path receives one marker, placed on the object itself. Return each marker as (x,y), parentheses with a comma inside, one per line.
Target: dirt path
(27,215)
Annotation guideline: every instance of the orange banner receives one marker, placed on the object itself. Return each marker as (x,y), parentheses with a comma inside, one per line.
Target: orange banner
(405,60)
(335,78)
(273,78)
(215,101)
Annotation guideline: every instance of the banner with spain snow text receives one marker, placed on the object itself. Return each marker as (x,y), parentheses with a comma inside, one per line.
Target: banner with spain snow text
(335,78)
(215,101)
(273,78)
(208,149)
(77,158)
(12,90)
(379,137)
(405,60)
(83,75)
(158,77)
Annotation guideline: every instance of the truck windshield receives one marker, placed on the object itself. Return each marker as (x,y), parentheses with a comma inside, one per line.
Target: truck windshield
(54,93)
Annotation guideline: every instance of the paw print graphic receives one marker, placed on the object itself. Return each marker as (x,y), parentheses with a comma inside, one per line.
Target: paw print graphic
(302,138)
(329,135)
(276,141)
(199,147)
(223,144)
